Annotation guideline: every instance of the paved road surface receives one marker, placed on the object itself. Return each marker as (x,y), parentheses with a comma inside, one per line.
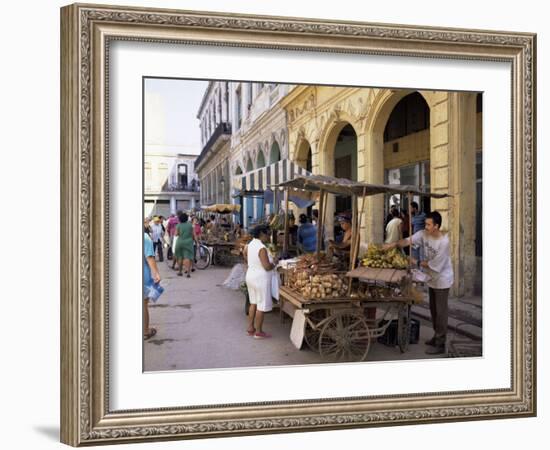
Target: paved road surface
(201,325)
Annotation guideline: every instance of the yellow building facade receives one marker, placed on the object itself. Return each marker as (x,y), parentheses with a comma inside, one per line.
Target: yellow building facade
(359,133)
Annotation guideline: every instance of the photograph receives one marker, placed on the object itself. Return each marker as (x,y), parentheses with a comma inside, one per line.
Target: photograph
(289,224)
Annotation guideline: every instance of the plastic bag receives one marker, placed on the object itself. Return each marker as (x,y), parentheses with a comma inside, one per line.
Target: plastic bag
(154,291)
(236,277)
(419,276)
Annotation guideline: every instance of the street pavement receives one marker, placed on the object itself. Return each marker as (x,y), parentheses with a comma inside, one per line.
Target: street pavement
(464,336)
(202,325)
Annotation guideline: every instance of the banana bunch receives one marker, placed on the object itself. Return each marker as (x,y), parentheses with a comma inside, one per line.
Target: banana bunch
(277,222)
(380,259)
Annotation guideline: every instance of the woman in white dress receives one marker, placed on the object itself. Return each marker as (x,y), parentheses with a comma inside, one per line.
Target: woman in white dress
(258,281)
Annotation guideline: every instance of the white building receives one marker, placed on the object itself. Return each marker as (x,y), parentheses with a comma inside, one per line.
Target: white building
(215,124)
(170,183)
(243,129)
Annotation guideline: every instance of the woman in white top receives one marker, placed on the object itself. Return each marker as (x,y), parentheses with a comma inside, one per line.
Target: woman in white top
(258,280)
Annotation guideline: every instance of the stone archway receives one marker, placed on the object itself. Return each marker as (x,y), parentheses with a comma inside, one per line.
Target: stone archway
(274,153)
(303,156)
(339,125)
(375,125)
(452,170)
(249,165)
(260,160)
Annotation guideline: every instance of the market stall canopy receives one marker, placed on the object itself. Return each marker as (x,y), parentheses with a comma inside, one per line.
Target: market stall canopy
(269,176)
(222,208)
(343,186)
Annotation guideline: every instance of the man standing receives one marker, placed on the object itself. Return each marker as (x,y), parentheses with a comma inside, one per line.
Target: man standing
(307,235)
(157,234)
(418,221)
(418,218)
(437,264)
(150,275)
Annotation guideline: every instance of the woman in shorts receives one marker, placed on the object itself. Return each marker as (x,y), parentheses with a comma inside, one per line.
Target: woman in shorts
(258,280)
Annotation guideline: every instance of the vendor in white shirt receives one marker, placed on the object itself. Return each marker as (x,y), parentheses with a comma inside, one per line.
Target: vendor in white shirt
(437,264)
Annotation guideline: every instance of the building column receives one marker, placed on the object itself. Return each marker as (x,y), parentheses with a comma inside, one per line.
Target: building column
(173,205)
(193,204)
(372,159)
(225,96)
(462,185)
(362,177)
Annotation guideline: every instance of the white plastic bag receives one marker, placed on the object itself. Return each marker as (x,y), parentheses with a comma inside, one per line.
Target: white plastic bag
(420,277)
(236,277)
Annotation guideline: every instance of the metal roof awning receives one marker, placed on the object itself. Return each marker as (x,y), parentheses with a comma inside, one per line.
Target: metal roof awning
(269,177)
(343,186)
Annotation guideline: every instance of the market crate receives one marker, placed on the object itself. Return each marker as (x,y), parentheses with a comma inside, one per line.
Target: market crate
(390,336)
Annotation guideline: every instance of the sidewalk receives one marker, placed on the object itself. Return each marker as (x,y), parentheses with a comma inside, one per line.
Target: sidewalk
(465,315)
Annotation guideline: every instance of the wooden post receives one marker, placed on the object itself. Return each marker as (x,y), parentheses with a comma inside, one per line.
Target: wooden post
(410,230)
(360,219)
(285,242)
(320,223)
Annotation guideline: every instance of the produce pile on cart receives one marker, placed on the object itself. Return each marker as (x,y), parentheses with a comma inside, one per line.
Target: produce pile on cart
(378,258)
(314,278)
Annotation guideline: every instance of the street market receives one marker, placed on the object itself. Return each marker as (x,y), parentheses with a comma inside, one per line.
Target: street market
(312,225)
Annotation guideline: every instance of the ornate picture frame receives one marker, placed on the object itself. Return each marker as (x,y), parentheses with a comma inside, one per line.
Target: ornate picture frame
(86,34)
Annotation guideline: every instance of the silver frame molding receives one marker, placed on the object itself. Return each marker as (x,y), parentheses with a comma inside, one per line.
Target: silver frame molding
(86,31)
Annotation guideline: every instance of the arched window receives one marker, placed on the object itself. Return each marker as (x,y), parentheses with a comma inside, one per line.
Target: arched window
(260,162)
(410,115)
(275,153)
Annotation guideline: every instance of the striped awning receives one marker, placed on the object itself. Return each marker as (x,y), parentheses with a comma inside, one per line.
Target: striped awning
(269,176)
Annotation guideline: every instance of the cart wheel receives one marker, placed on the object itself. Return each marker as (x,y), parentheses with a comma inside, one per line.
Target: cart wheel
(202,256)
(311,335)
(222,257)
(344,337)
(404,328)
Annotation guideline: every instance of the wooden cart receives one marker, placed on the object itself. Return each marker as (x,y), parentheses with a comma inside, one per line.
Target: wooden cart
(340,329)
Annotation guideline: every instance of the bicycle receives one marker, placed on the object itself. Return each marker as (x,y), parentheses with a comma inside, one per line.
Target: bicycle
(203,256)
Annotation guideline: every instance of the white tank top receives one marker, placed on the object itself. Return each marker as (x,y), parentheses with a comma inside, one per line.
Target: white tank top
(253,255)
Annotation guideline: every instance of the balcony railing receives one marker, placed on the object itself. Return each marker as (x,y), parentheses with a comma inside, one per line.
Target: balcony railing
(222,129)
(182,187)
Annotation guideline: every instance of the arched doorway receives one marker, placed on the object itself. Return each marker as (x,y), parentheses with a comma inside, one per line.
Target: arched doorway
(238,200)
(345,164)
(338,146)
(260,161)
(304,159)
(407,151)
(275,153)
(304,156)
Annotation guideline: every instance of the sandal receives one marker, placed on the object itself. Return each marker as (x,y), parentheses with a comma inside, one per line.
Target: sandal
(151,333)
(251,332)
(261,335)
(180,274)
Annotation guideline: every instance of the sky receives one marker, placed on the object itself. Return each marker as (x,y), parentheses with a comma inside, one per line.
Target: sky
(171,107)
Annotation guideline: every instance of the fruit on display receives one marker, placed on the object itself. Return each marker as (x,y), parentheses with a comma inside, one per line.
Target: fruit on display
(277,222)
(378,258)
